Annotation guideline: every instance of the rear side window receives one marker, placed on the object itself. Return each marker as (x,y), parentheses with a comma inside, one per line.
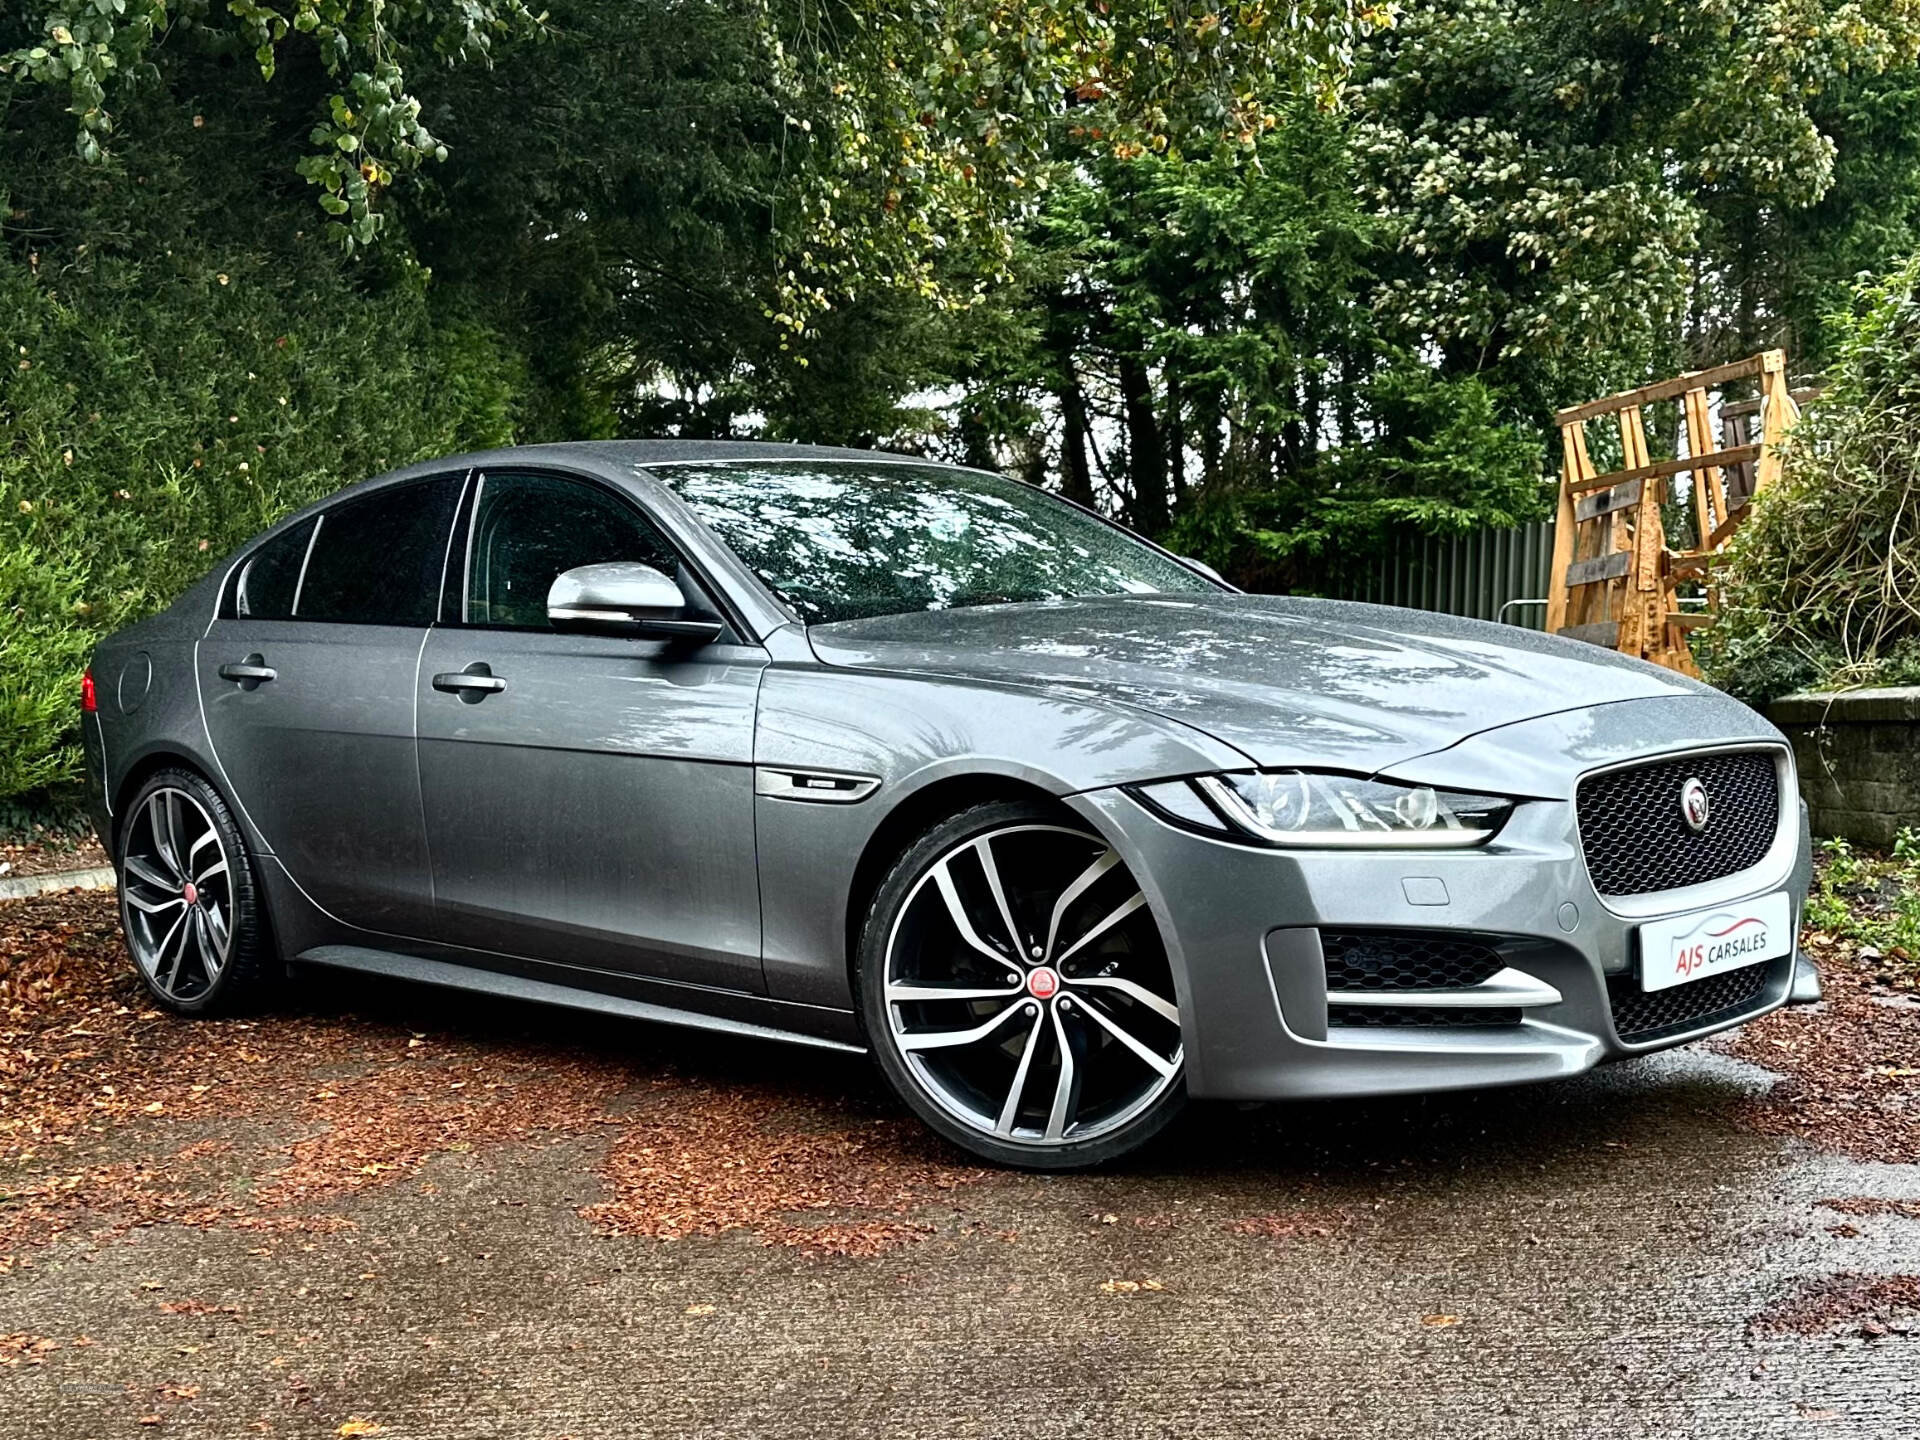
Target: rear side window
(270,579)
(379,559)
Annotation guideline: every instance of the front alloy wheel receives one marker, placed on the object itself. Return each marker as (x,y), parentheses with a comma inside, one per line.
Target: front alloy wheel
(1018,993)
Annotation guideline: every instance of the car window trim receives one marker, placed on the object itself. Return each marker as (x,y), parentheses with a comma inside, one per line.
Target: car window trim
(462,603)
(306,558)
(737,632)
(468,482)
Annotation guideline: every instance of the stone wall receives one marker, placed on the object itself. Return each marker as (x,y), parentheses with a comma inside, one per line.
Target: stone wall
(1859,760)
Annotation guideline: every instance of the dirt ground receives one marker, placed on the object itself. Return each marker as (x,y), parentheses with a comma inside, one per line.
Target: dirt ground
(378,1209)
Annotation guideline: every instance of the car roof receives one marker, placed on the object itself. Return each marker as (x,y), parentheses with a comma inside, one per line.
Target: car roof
(599,454)
(626,463)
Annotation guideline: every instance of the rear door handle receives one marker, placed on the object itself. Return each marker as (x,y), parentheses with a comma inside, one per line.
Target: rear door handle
(472,684)
(249,672)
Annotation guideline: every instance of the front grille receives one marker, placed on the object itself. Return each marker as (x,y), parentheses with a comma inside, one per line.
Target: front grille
(1450,1017)
(1405,960)
(1647,1015)
(1637,842)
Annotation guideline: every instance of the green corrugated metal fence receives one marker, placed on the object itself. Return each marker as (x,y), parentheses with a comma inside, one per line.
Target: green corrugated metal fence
(1475,575)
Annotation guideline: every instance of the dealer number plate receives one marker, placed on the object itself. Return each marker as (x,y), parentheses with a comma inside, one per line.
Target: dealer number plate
(1708,942)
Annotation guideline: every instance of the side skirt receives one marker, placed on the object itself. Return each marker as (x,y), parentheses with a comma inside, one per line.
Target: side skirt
(573,997)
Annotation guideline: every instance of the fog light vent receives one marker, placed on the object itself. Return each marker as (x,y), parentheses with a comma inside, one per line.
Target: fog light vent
(1406,960)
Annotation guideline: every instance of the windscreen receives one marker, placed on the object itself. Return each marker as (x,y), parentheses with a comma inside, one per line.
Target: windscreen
(841,540)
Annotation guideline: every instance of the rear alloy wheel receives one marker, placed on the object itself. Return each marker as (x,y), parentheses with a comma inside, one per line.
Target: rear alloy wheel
(1018,994)
(187,898)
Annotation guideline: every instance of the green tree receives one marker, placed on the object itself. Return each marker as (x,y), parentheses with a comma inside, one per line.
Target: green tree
(1822,587)
(1567,186)
(367,123)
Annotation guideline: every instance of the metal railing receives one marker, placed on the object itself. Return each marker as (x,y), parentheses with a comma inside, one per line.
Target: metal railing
(1487,575)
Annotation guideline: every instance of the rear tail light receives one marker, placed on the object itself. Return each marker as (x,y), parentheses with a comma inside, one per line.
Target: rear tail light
(89,702)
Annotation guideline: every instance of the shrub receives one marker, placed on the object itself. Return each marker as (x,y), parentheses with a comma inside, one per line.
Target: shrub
(1822,585)
(1441,461)
(164,404)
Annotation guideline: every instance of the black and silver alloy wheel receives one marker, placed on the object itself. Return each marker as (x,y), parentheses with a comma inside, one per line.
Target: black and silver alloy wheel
(1018,992)
(187,900)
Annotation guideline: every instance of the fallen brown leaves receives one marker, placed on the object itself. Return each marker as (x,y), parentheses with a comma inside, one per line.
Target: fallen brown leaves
(1871,1305)
(196,1307)
(24,1349)
(1130,1287)
(50,951)
(87,1060)
(1850,1069)
(1872,1205)
(1289,1227)
(50,854)
(114,1115)
(384,1125)
(723,1160)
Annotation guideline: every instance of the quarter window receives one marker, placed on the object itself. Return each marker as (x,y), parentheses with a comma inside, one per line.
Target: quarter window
(529,529)
(379,559)
(270,579)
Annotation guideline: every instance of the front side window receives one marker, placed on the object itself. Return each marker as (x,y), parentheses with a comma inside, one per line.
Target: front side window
(379,558)
(269,581)
(839,540)
(529,529)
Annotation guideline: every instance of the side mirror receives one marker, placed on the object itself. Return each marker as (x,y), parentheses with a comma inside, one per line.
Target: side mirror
(624,597)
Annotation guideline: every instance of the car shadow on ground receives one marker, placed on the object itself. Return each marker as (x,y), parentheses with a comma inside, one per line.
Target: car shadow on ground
(1573,1123)
(118,1116)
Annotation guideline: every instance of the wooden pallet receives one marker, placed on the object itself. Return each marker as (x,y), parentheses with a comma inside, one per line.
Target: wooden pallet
(1615,581)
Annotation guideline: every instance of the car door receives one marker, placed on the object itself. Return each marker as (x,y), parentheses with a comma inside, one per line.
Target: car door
(308,681)
(595,808)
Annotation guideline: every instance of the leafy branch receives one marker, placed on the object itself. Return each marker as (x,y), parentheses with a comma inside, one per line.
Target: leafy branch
(372,128)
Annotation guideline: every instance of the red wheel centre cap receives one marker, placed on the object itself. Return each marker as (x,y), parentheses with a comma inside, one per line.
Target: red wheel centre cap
(1042,983)
(190,894)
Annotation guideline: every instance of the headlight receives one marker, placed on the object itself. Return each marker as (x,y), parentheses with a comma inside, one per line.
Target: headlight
(1313,810)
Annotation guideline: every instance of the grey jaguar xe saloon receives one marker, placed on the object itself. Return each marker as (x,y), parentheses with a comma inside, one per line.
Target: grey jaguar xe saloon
(869,753)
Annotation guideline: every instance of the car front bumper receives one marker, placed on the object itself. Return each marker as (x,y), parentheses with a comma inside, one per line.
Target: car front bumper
(1242,927)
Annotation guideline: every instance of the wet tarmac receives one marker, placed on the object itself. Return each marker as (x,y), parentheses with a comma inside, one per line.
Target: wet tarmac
(1594,1258)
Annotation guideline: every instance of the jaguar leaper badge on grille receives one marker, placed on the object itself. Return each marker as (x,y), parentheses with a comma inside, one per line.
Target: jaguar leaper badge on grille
(1695,806)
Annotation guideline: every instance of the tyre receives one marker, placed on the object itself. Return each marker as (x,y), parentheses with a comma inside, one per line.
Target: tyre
(189,904)
(1017,993)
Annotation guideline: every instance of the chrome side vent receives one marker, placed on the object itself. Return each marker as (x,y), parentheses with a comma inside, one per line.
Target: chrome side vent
(819,787)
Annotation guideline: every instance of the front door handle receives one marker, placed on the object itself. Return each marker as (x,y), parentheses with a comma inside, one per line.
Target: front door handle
(472,684)
(251,672)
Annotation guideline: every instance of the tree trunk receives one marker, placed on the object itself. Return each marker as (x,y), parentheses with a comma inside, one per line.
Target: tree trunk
(1293,431)
(1146,462)
(1311,411)
(975,440)
(1213,418)
(1076,481)
(1030,457)
(1344,394)
(1176,439)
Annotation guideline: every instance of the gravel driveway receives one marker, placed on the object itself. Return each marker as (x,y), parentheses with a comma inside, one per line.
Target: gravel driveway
(384,1210)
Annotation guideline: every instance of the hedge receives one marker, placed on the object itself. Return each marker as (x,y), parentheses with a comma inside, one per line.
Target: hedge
(162,405)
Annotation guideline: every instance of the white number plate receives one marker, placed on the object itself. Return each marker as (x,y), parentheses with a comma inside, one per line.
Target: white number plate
(1708,942)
